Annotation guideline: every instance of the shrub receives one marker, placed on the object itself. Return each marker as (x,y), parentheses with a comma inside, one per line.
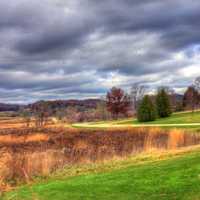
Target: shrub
(163,104)
(146,110)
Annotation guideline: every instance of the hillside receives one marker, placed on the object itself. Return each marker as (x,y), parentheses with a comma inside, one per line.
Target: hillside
(9,107)
(167,176)
(81,105)
(181,119)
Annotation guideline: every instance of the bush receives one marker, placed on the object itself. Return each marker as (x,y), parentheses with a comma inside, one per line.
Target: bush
(163,104)
(146,110)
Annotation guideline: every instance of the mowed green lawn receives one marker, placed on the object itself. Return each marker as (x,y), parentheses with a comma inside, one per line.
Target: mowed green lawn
(185,119)
(176,118)
(177,177)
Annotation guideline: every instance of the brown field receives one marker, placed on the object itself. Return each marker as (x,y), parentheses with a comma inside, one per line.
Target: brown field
(11,122)
(29,151)
(7,122)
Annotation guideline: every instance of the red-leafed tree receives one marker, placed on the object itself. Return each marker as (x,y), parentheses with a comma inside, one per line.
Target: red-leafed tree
(117,102)
(191,98)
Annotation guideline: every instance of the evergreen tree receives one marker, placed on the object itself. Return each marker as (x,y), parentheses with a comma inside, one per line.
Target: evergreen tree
(146,110)
(163,104)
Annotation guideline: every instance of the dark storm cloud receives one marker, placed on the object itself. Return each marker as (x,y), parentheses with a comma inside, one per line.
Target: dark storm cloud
(55,30)
(176,21)
(62,49)
(53,38)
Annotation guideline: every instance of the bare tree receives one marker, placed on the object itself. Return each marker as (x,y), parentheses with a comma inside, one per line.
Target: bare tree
(101,110)
(41,112)
(137,93)
(72,114)
(26,115)
(60,114)
(168,90)
(191,98)
(196,84)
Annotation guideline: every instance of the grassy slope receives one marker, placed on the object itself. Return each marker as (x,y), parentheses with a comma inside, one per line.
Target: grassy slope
(177,177)
(176,118)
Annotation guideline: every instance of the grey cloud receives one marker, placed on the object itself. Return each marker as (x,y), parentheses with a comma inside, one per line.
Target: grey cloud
(57,48)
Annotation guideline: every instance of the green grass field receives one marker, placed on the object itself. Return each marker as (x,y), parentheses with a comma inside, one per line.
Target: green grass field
(176,118)
(183,120)
(177,176)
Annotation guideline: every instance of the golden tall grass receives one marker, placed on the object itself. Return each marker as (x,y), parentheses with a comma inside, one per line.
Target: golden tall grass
(33,152)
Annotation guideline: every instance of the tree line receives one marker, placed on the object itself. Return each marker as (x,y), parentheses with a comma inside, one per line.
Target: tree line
(117,104)
(149,107)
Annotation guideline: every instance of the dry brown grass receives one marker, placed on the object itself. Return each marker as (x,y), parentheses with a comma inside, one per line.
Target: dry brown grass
(18,122)
(21,139)
(30,151)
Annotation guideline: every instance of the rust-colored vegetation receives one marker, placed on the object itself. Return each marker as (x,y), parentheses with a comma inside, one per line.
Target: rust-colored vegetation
(27,152)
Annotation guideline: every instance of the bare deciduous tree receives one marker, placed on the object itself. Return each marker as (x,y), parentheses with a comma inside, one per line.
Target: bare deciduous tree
(167,89)
(101,110)
(26,115)
(41,112)
(197,84)
(137,93)
(191,98)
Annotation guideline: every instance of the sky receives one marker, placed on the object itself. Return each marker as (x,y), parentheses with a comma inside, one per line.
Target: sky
(66,49)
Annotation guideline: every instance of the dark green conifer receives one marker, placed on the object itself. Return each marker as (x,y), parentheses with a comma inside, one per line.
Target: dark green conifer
(146,110)
(163,106)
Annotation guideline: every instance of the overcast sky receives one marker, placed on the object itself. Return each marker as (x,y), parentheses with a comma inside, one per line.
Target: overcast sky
(63,49)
